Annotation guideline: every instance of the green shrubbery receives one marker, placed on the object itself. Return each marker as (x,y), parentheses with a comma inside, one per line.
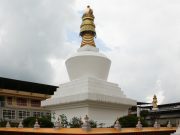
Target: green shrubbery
(4,122)
(44,122)
(64,121)
(75,122)
(93,124)
(131,121)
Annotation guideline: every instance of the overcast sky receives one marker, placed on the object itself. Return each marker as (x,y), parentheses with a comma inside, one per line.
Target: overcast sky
(141,37)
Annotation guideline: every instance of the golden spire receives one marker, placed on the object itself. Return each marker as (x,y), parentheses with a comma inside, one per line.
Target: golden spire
(154,102)
(87,31)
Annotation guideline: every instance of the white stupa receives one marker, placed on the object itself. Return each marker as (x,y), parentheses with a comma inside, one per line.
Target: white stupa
(88,92)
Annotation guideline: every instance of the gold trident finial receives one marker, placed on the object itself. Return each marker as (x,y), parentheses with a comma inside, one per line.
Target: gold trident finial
(87,31)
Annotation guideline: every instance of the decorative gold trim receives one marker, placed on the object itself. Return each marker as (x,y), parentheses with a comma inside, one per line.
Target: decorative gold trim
(87,31)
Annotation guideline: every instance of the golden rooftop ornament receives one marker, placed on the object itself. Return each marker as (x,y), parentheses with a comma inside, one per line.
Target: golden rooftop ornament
(87,31)
(154,103)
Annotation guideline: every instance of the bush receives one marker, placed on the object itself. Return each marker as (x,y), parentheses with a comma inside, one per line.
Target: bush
(29,122)
(64,121)
(12,124)
(128,121)
(131,121)
(3,123)
(144,122)
(75,122)
(144,113)
(93,124)
(44,122)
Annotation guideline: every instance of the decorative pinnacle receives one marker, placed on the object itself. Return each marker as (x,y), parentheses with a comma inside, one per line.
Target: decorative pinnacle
(86,124)
(117,125)
(139,125)
(154,103)
(87,31)
(36,125)
(169,125)
(8,124)
(20,125)
(156,125)
(58,123)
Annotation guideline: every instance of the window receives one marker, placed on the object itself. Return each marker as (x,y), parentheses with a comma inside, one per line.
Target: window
(9,100)
(9,114)
(21,101)
(23,114)
(38,114)
(42,114)
(35,103)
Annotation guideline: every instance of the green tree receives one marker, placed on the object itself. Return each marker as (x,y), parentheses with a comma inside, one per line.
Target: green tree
(44,122)
(144,113)
(131,121)
(75,122)
(128,121)
(64,120)
(3,123)
(93,123)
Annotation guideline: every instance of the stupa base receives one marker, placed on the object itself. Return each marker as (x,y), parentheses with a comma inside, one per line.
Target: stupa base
(102,101)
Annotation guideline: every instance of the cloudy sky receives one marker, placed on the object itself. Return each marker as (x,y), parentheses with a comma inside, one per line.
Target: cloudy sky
(141,37)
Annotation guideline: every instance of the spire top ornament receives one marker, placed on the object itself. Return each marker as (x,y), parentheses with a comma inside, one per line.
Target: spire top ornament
(87,31)
(154,103)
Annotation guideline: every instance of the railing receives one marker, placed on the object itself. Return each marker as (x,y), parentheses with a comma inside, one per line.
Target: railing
(93,131)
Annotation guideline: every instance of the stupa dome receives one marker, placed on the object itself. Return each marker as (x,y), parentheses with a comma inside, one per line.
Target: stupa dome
(88,62)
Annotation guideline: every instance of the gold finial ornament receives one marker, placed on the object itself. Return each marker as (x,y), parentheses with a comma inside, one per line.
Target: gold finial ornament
(87,31)
(154,103)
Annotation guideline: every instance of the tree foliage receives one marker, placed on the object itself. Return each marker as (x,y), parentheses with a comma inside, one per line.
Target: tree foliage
(128,121)
(131,121)
(75,122)
(44,122)
(93,124)
(3,123)
(144,113)
(12,124)
(64,121)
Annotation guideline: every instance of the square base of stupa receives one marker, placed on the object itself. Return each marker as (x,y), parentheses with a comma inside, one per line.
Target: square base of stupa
(102,101)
